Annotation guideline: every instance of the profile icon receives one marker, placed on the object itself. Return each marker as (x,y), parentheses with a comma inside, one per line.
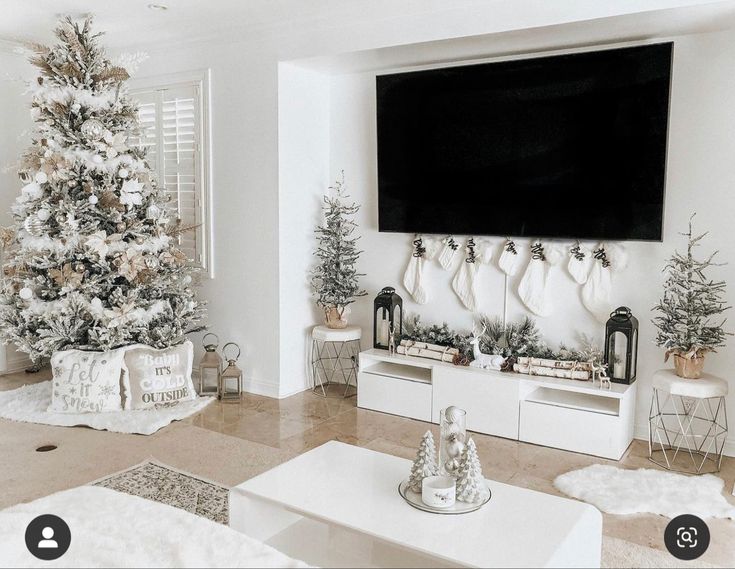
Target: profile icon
(47,542)
(48,537)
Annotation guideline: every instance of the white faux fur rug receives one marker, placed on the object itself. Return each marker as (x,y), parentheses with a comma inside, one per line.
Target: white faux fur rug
(111,529)
(29,404)
(617,491)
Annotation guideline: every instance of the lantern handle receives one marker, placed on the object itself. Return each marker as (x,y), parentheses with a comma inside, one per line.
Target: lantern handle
(621,314)
(205,345)
(237,357)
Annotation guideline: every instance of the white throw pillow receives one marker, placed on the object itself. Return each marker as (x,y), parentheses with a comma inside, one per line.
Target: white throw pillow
(157,378)
(86,382)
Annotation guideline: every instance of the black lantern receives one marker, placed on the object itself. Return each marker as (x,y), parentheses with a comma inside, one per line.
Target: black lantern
(388,317)
(621,345)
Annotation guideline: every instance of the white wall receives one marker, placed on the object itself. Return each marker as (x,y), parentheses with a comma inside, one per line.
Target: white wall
(15,122)
(303,150)
(700,178)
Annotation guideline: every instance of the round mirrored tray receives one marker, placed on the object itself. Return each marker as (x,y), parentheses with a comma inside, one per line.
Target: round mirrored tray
(414,499)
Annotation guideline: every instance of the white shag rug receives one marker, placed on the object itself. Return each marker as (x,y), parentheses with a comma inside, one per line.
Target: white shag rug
(111,529)
(29,404)
(618,491)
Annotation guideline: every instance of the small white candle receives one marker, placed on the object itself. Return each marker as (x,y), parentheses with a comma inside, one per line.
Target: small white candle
(619,370)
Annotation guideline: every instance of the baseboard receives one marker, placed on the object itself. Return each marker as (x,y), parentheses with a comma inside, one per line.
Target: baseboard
(641,433)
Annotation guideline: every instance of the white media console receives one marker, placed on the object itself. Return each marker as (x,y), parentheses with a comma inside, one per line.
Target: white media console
(561,413)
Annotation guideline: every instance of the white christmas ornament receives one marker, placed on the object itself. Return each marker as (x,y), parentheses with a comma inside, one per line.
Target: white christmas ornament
(464,282)
(41,177)
(580,263)
(122,172)
(43,214)
(153,212)
(448,252)
(509,261)
(33,226)
(93,199)
(533,288)
(25,293)
(75,108)
(414,276)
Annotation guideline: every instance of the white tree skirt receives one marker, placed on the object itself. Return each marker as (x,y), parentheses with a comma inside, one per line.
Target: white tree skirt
(111,529)
(29,404)
(618,491)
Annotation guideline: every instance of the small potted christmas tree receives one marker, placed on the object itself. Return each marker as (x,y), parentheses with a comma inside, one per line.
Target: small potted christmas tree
(687,323)
(335,280)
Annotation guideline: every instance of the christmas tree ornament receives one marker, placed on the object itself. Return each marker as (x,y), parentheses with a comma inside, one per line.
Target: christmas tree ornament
(93,200)
(34,226)
(448,252)
(92,129)
(596,291)
(123,173)
(509,261)
(425,463)
(452,427)
(81,299)
(153,212)
(25,293)
(580,263)
(464,283)
(413,278)
(471,484)
(533,288)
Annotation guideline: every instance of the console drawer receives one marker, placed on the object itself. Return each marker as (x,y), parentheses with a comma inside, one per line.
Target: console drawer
(395,396)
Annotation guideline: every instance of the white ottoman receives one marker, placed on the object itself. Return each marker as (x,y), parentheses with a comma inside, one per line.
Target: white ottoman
(687,424)
(334,351)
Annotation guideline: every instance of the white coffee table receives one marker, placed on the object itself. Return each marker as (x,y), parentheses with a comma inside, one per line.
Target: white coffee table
(338,505)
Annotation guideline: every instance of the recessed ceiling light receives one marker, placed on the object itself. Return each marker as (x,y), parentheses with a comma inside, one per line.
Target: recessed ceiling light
(159,7)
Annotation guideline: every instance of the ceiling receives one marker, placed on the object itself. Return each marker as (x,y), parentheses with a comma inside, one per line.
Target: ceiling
(131,23)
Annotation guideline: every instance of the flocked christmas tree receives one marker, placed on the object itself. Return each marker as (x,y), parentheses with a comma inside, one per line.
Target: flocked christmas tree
(92,260)
(471,485)
(687,322)
(425,463)
(335,280)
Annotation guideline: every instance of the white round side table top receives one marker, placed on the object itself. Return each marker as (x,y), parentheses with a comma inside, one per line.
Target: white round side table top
(706,386)
(326,334)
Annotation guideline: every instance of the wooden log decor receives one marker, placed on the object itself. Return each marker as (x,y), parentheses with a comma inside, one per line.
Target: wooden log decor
(425,350)
(563,369)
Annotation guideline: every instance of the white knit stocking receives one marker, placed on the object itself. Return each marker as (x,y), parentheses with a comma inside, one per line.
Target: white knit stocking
(533,288)
(413,278)
(597,289)
(448,252)
(464,282)
(580,263)
(510,260)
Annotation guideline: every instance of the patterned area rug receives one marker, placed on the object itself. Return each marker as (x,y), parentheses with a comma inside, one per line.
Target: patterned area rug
(163,484)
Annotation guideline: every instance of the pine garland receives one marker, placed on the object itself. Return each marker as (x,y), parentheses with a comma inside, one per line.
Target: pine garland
(691,301)
(335,280)
(90,262)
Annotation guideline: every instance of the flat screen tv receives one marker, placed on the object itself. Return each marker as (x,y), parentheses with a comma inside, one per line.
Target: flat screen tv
(568,146)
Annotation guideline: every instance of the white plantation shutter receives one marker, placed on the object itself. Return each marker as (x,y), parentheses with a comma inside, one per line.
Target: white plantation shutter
(171,123)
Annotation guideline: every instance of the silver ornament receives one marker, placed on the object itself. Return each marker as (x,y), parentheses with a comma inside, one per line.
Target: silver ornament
(33,226)
(93,129)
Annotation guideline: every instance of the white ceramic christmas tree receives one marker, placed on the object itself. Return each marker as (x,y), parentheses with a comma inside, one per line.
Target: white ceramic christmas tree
(471,485)
(425,463)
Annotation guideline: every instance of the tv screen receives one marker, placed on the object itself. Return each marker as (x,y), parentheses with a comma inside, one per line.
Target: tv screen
(568,146)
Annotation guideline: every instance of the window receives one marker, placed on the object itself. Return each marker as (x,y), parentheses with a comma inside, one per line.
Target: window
(174,113)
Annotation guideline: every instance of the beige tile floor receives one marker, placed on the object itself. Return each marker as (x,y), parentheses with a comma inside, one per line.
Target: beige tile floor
(304,421)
